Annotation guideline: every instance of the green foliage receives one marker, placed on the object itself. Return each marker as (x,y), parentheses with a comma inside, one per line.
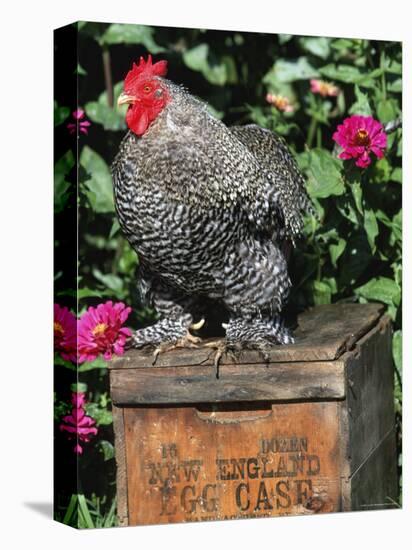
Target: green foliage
(131,34)
(93,513)
(352,249)
(111,118)
(62,169)
(197,60)
(99,189)
(60,114)
(324,173)
(290,71)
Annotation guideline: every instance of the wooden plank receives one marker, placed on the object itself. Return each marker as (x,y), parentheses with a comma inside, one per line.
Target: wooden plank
(121,471)
(323,334)
(277,381)
(370,392)
(186,465)
(374,486)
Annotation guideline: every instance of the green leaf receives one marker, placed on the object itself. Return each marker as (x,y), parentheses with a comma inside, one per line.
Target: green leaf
(131,34)
(350,74)
(91,293)
(331,282)
(397,350)
(347,208)
(381,171)
(107,449)
(396,175)
(396,235)
(71,510)
(316,46)
(395,86)
(112,282)
(371,228)
(102,416)
(60,114)
(79,387)
(386,110)
(324,175)
(98,363)
(336,251)
(355,260)
(381,289)
(231,71)
(382,217)
(99,186)
(114,229)
(61,186)
(60,361)
(357,195)
(284,38)
(321,112)
(85,519)
(394,67)
(361,105)
(112,118)
(290,71)
(321,293)
(197,60)
(80,71)
(342,44)
(399,150)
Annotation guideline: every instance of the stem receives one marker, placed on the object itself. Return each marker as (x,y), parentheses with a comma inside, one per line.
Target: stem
(383,77)
(117,256)
(311,132)
(107,68)
(318,137)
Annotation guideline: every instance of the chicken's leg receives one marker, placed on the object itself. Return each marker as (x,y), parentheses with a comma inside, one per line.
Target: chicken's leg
(257,285)
(173,327)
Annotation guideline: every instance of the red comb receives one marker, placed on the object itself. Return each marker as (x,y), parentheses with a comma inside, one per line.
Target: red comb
(145,68)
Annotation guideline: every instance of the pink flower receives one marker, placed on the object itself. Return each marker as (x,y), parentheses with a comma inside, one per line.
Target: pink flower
(78,114)
(359,136)
(81,124)
(78,425)
(78,399)
(280,102)
(65,333)
(100,331)
(324,88)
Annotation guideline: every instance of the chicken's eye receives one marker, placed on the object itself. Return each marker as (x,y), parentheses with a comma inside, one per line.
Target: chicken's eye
(147,89)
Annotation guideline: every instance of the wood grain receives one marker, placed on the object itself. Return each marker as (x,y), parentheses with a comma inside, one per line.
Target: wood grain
(309,432)
(370,392)
(198,384)
(374,486)
(323,334)
(121,470)
(185,468)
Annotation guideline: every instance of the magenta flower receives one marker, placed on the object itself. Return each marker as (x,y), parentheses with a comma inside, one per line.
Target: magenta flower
(83,125)
(323,88)
(359,136)
(65,333)
(78,425)
(78,399)
(100,331)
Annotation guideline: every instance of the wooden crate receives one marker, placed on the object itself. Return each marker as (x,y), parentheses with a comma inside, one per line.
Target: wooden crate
(311,431)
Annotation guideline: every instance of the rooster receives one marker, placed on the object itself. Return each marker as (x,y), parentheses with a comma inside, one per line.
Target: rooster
(207,208)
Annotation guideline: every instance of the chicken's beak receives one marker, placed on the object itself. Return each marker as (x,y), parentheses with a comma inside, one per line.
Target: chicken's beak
(125,98)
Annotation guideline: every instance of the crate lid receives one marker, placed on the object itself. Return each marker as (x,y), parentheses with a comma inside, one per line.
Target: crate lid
(324,333)
(312,368)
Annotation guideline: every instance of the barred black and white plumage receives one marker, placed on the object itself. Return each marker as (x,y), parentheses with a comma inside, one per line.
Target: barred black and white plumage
(206,208)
